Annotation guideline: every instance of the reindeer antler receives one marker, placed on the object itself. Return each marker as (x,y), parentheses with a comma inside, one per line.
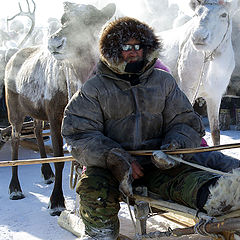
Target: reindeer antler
(30,14)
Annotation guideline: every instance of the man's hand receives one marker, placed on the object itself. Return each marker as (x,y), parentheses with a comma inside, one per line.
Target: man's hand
(136,170)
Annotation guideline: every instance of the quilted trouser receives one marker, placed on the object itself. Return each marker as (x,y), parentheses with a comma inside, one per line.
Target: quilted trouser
(99,195)
(99,203)
(180,184)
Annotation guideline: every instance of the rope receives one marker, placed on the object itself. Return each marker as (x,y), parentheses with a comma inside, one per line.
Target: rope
(178,159)
(187,150)
(202,223)
(200,78)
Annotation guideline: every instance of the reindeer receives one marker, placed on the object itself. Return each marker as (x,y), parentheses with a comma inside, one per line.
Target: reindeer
(201,57)
(39,82)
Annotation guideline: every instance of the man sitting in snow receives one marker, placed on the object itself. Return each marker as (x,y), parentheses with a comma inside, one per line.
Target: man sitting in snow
(131,105)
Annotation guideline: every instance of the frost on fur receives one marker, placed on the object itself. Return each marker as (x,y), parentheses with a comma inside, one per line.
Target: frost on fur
(224,195)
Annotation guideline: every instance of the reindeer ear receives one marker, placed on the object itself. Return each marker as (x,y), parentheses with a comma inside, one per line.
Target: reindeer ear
(194,3)
(233,5)
(68,6)
(109,10)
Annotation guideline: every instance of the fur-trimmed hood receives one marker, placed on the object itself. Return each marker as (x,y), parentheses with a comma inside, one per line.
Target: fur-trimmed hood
(117,33)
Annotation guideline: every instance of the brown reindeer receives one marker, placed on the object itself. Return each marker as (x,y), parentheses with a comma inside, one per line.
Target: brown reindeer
(39,81)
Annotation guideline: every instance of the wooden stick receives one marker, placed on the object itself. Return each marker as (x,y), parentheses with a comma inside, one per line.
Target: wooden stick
(35,161)
(188,150)
(138,152)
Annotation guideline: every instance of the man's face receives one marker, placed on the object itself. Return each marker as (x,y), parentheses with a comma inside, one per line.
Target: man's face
(132,53)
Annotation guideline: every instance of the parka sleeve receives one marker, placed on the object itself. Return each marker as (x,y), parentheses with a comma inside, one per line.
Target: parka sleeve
(83,131)
(181,122)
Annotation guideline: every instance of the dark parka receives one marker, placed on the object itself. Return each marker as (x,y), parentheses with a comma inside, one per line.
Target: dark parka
(109,116)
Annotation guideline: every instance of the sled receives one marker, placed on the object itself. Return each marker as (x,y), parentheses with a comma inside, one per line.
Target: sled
(147,204)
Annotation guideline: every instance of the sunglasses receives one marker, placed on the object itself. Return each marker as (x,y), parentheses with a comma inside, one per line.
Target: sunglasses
(129,47)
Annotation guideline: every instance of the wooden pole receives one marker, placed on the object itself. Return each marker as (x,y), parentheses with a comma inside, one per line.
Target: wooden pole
(36,161)
(188,150)
(138,152)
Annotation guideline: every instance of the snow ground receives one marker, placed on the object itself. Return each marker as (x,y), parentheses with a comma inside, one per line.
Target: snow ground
(28,219)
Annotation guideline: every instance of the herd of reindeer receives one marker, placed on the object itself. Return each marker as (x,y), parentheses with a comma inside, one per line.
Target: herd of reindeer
(202,54)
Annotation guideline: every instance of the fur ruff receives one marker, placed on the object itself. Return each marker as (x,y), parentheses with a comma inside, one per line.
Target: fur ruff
(118,32)
(224,195)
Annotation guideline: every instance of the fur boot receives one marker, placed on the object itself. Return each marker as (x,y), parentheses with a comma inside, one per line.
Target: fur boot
(74,224)
(224,196)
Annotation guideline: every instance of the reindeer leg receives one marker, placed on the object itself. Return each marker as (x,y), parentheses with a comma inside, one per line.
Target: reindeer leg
(46,170)
(15,190)
(57,202)
(213,106)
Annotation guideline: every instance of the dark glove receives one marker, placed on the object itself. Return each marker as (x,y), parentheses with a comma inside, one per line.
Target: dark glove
(173,145)
(119,163)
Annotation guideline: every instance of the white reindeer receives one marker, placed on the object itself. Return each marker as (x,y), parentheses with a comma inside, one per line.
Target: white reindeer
(201,57)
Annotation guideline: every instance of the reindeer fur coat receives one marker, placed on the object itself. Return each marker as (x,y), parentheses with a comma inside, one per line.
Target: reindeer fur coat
(109,116)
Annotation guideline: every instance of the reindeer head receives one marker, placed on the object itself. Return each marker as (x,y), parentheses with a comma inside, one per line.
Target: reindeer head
(212,22)
(80,27)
